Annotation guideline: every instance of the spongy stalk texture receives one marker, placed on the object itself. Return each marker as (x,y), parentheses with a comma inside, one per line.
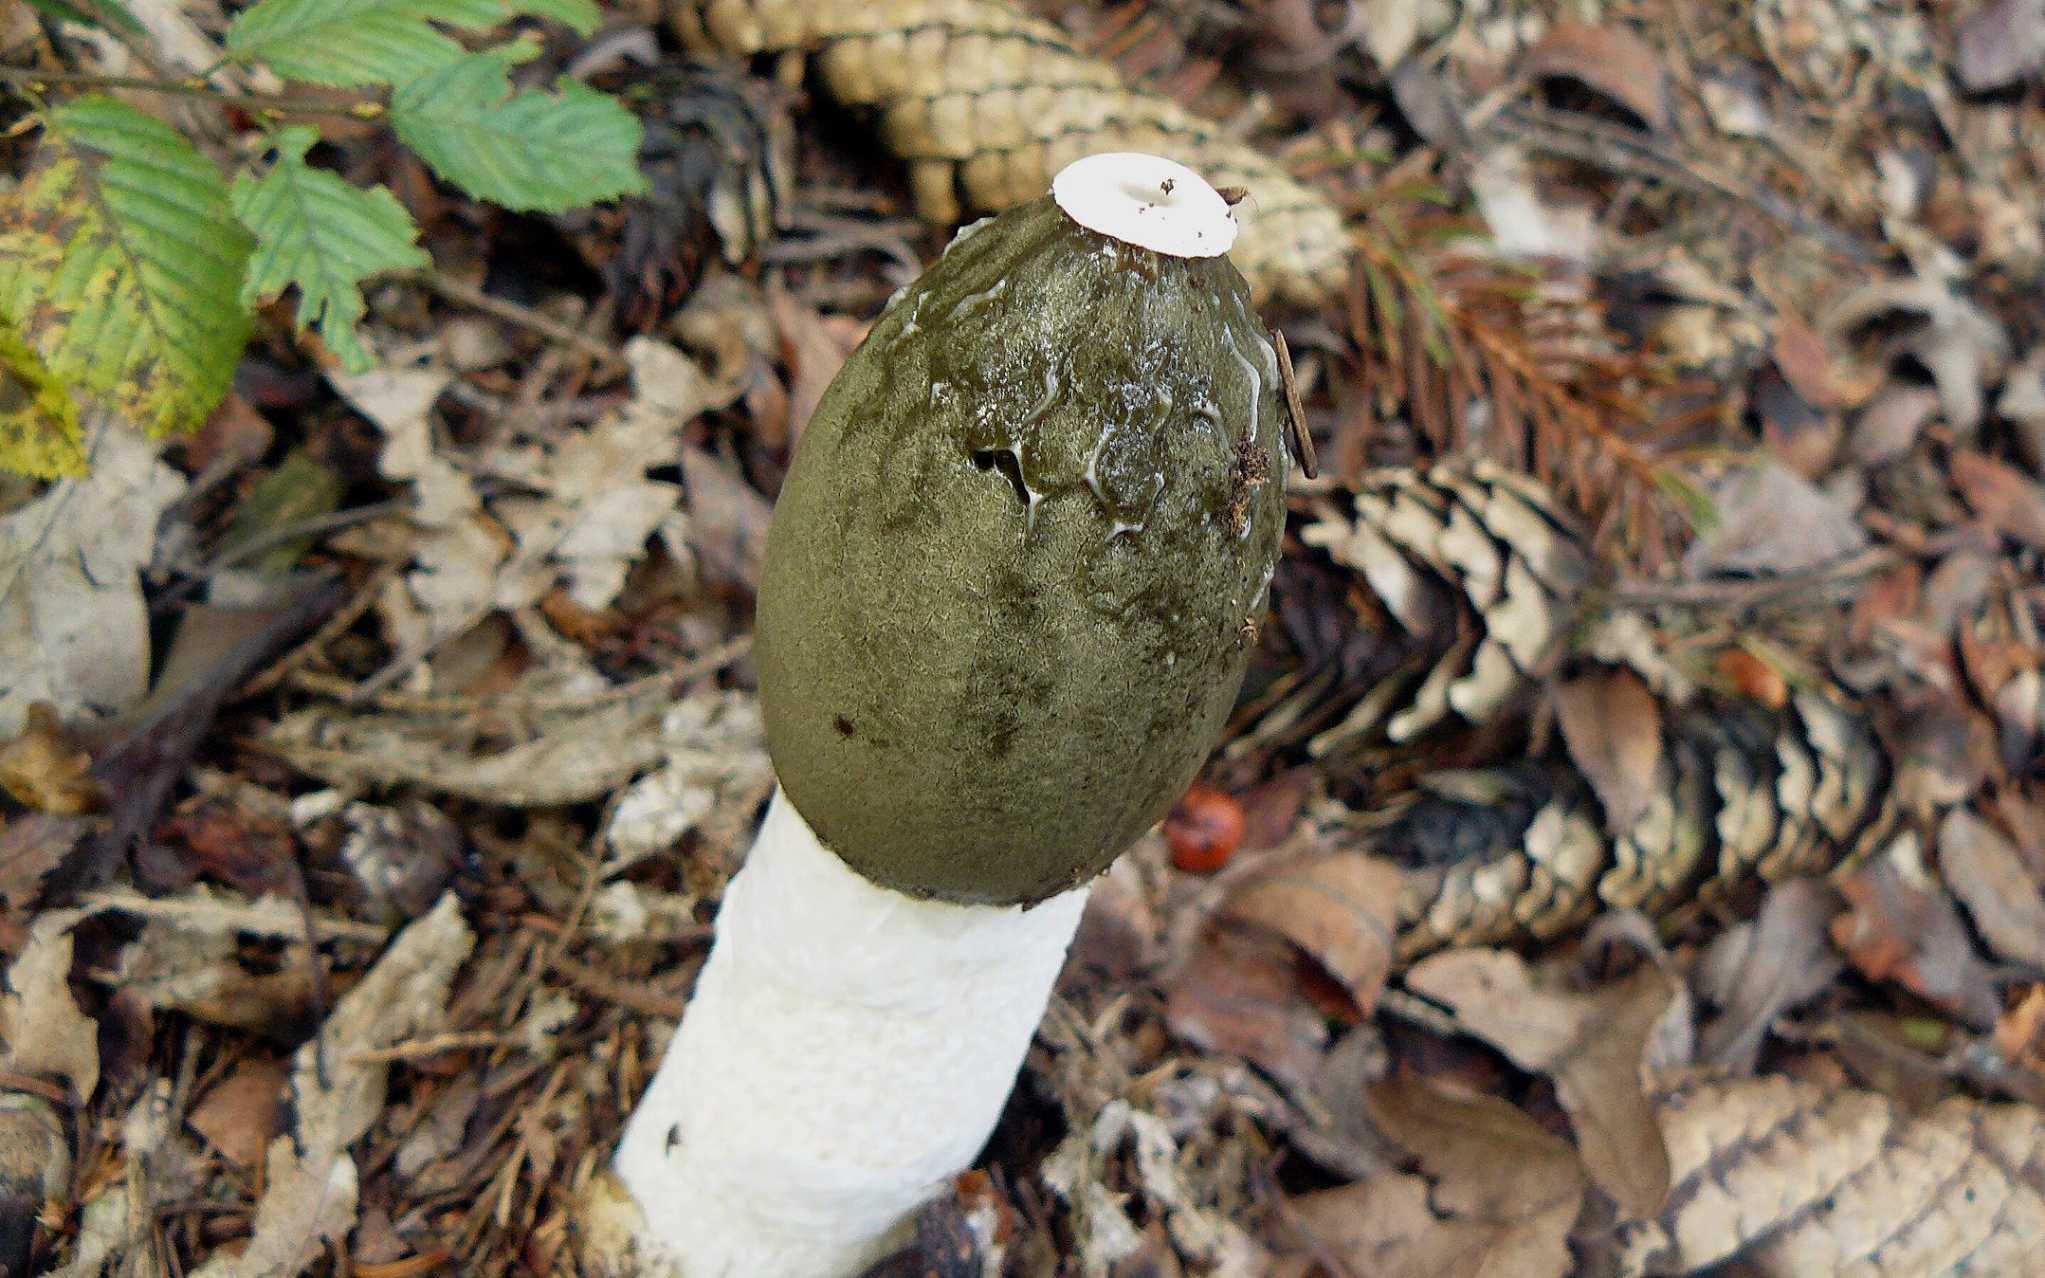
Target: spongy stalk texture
(847,1049)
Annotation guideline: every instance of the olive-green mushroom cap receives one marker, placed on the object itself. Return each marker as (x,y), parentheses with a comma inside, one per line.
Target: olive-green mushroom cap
(1016,569)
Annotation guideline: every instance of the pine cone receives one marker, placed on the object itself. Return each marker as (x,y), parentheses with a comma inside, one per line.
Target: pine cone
(1743,798)
(986,104)
(1794,1179)
(1480,573)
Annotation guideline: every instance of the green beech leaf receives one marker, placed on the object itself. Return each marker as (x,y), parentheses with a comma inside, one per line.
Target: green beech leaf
(91,13)
(526,150)
(324,237)
(120,273)
(345,43)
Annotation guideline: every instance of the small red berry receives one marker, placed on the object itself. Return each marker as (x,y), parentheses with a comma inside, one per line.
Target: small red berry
(1204,830)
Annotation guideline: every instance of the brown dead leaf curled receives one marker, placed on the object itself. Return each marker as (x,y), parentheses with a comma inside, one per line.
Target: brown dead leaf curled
(188,958)
(1927,320)
(31,847)
(1338,908)
(1386,1227)
(1901,927)
(1806,364)
(814,350)
(2020,1033)
(1612,725)
(1752,677)
(74,628)
(1760,969)
(399,402)
(1496,1200)
(311,1179)
(576,754)
(1772,521)
(1609,60)
(2000,43)
(46,773)
(1237,993)
(1590,1045)
(728,519)
(42,1030)
(1984,871)
(239,1114)
(1944,749)
(2000,494)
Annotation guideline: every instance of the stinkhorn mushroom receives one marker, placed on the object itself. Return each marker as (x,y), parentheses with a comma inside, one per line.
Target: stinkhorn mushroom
(1011,585)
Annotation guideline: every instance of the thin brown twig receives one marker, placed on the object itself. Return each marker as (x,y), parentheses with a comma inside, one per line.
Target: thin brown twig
(596,981)
(266,103)
(455,290)
(465,703)
(431,1045)
(1750,592)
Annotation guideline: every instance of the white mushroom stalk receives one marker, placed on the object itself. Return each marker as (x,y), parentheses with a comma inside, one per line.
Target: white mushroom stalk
(1009,586)
(814,1097)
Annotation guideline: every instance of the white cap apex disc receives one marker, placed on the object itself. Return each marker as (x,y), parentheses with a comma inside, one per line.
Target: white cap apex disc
(1148,201)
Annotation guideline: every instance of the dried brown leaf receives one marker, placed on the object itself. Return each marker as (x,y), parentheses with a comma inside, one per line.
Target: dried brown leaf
(814,350)
(1751,677)
(1497,1199)
(1901,928)
(1890,423)
(192,963)
(338,1091)
(1609,60)
(2000,43)
(239,1114)
(1612,725)
(1806,364)
(43,771)
(2003,496)
(1237,993)
(1772,520)
(41,1028)
(1591,1045)
(1386,1227)
(1340,909)
(31,847)
(728,519)
(1760,969)
(249,850)
(1944,749)
(1983,869)
(1959,343)
(2020,1032)
(74,626)
(1271,809)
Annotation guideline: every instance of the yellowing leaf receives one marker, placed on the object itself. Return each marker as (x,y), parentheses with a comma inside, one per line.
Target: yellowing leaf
(39,429)
(120,270)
